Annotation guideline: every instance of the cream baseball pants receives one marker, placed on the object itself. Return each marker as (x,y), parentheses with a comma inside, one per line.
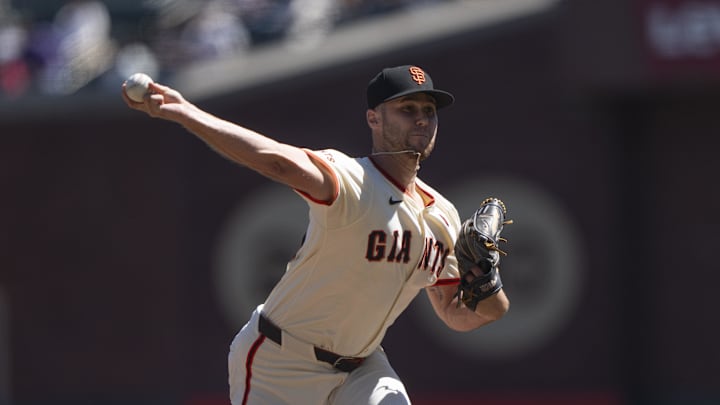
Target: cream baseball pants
(261,372)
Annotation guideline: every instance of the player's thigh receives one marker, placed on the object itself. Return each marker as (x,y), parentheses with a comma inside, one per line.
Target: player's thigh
(262,372)
(373,383)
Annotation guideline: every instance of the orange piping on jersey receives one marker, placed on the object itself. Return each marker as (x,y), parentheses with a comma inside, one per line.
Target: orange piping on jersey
(336,182)
(447,281)
(444,219)
(248,366)
(431,199)
(388,176)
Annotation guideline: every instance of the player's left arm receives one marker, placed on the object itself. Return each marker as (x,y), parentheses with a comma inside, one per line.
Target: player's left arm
(444,301)
(478,298)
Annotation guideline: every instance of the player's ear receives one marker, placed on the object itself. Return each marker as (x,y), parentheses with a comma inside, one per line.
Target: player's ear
(372,117)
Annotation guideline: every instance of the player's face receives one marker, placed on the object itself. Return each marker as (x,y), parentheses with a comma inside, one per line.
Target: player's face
(409,123)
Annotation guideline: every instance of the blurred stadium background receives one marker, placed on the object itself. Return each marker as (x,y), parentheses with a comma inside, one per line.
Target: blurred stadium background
(130,254)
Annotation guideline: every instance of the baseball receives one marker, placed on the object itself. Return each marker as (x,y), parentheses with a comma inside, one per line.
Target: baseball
(136,86)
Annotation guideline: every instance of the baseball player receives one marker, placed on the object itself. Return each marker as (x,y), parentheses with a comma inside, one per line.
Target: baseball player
(377,235)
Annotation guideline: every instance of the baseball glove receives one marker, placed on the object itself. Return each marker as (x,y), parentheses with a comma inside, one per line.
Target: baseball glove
(477,247)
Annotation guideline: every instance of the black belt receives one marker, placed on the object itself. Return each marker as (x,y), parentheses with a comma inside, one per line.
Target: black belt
(342,363)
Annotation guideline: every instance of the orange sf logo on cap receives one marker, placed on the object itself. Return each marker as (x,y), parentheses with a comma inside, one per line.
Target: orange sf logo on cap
(417,75)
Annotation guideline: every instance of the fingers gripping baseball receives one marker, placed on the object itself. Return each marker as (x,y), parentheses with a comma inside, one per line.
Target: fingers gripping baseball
(157,100)
(478,253)
(163,101)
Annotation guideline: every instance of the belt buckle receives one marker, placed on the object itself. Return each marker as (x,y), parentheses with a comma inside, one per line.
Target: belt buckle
(340,359)
(347,363)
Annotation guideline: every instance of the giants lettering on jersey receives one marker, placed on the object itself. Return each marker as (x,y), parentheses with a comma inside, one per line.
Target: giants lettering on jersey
(398,250)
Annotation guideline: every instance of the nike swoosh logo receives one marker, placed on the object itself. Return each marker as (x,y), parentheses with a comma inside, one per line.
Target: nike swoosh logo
(393,202)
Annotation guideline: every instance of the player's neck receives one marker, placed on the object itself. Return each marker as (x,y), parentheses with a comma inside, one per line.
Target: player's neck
(402,168)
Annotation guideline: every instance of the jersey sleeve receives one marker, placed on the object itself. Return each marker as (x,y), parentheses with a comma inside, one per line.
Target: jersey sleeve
(324,160)
(348,176)
(450,275)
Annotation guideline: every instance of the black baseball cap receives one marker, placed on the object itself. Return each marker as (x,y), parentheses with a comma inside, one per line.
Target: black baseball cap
(400,81)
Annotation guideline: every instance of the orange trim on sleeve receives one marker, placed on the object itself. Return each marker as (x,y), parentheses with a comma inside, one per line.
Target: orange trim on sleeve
(328,169)
(447,281)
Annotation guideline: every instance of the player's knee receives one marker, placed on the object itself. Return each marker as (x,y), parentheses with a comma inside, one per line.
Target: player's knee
(389,391)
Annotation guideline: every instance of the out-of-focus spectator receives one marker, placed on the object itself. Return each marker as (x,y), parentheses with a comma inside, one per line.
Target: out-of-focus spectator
(132,58)
(312,21)
(190,31)
(75,49)
(14,72)
(63,51)
(214,33)
(166,20)
(266,20)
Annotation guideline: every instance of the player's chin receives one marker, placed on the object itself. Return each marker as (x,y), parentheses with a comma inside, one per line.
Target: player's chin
(423,153)
(425,150)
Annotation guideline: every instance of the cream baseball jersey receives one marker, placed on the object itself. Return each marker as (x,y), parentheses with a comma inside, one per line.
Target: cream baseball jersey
(365,256)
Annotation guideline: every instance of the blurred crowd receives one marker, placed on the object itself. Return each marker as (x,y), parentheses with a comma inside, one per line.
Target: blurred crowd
(90,44)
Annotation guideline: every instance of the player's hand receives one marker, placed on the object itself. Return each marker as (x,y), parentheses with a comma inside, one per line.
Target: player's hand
(160,102)
(475,271)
